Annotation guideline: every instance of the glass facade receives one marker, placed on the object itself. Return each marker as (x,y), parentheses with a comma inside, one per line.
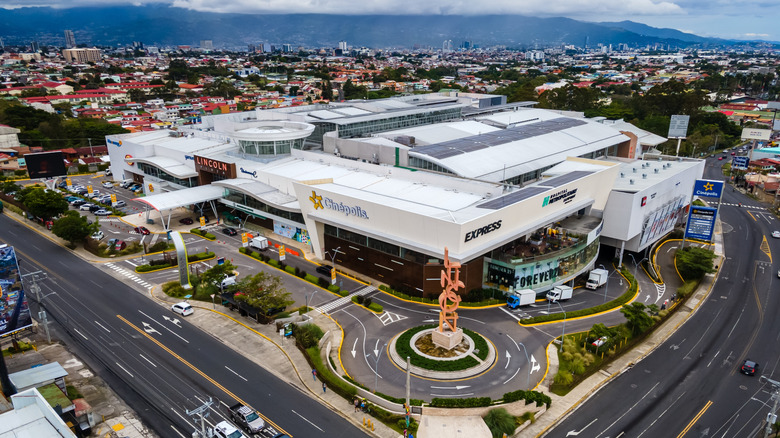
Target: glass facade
(156,172)
(244,199)
(361,128)
(272,147)
(534,175)
(421,163)
(378,245)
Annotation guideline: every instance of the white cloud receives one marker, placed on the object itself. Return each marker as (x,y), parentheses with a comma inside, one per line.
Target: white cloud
(756,35)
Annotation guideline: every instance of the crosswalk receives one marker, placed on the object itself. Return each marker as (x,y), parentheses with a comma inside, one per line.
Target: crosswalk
(128,274)
(731,204)
(335,304)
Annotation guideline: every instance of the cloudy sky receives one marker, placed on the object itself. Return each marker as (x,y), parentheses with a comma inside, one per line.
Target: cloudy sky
(732,19)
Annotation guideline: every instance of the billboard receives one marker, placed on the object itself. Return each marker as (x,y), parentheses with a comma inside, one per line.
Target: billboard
(701,223)
(45,165)
(756,134)
(706,188)
(678,126)
(14,310)
(740,162)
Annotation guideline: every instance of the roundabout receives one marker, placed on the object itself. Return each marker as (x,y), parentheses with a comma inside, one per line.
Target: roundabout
(471,357)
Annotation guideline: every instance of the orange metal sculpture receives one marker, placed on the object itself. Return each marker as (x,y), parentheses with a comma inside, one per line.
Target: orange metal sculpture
(449,300)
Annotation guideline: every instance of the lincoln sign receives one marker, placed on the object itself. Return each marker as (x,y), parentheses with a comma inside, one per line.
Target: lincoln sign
(211,164)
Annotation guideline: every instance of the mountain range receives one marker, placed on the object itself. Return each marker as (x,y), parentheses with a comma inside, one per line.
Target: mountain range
(167,25)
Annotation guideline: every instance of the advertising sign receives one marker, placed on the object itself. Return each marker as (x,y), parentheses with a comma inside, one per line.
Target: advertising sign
(202,221)
(45,165)
(756,134)
(113,199)
(281,253)
(705,188)
(333,276)
(14,311)
(181,254)
(678,126)
(701,223)
(244,239)
(740,162)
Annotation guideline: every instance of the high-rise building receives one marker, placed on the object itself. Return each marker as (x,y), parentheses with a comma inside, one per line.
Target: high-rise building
(287,48)
(82,55)
(343,46)
(207,44)
(70,40)
(35,47)
(251,48)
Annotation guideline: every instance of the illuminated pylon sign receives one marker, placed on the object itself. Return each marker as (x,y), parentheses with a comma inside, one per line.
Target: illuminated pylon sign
(448,300)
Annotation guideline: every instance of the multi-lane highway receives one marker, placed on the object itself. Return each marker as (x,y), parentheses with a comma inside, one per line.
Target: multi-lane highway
(161,365)
(691,385)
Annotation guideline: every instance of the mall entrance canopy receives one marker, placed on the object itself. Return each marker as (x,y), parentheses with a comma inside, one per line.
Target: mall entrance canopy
(200,197)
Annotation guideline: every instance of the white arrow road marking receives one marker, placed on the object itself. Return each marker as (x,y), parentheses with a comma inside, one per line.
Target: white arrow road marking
(376,348)
(647,298)
(513,376)
(509,313)
(353,348)
(149,329)
(577,432)
(175,321)
(535,366)
(458,388)
(508,358)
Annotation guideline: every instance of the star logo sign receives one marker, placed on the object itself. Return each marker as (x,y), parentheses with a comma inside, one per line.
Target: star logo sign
(708,187)
(316,200)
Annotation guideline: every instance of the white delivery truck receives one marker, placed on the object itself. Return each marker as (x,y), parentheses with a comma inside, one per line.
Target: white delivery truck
(520,298)
(559,293)
(597,278)
(259,242)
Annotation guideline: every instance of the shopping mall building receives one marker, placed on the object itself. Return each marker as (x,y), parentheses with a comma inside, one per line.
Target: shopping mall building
(522,197)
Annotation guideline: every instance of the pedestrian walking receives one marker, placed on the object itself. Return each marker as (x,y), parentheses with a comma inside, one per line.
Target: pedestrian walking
(357,404)
(314,374)
(324,387)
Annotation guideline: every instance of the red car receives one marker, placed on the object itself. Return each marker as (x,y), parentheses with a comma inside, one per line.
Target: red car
(141,230)
(185,221)
(720,158)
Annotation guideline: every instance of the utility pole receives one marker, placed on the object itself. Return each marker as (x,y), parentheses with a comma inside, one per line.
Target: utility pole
(203,412)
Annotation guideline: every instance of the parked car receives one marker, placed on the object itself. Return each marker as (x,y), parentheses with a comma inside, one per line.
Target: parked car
(126,183)
(117,244)
(749,367)
(94,194)
(120,203)
(183,308)
(142,230)
(720,158)
(108,184)
(78,202)
(86,207)
(105,199)
(185,221)
(776,234)
(229,231)
(324,269)
(600,341)
(97,235)
(70,199)
(102,212)
(95,208)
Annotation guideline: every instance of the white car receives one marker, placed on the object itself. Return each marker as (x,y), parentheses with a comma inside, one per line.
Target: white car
(776,234)
(98,235)
(102,212)
(86,207)
(223,429)
(119,203)
(183,308)
(107,185)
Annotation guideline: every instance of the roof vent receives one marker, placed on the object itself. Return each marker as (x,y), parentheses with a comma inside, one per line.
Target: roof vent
(634,169)
(631,181)
(622,175)
(656,170)
(644,176)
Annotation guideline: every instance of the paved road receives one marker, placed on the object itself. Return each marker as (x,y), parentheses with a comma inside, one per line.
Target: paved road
(160,364)
(691,385)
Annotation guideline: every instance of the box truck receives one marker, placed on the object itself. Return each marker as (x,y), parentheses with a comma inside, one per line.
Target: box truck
(559,293)
(259,243)
(520,298)
(597,278)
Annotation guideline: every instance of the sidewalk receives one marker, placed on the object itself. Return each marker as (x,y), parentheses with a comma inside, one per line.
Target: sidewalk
(562,407)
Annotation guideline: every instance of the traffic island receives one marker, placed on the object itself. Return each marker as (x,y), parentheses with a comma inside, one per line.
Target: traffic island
(473,355)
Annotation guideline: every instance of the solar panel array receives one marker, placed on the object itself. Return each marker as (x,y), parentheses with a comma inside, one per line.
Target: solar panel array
(564,179)
(512,198)
(474,143)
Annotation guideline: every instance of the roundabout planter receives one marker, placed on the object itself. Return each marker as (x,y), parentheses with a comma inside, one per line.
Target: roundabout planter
(462,361)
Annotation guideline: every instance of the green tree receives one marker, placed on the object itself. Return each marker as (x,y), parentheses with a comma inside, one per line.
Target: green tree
(693,262)
(500,422)
(263,291)
(10,186)
(215,275)
(73,227)
(327,90)
(637,318)
(42,202)
(136,95)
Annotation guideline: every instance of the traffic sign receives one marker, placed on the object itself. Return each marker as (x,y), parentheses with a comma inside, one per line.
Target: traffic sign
(202,221)
(333,275)
(678,126)
(281,253)
(244,239)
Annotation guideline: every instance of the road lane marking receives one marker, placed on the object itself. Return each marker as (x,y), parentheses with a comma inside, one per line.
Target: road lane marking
(577,432)
(198,371)
(82,334)
(124,369)
(101,326)
(451,395)
(513,376)
(163,326)
(306,420)
(509,313)
(662,414)
(239,375)
(695,419)
(630,409)
(150,362)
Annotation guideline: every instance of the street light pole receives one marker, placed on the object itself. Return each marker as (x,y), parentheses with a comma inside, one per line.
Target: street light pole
(311,295)
(563,334)
(378,354)
(771,417)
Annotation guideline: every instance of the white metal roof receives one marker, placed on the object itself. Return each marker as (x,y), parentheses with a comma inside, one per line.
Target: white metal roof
(260,191)
(181,198)
(40,374)
(440,132)
(169,165)
(644,137)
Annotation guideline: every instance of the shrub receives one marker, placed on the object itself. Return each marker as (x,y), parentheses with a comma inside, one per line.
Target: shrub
(472,402)
(337,385)
(376,307)
(500,422)
(359,299)
(160,246)
(311,279)
(333,288)
(403,348)
(307,335)
(367,301)
(563,378)
(323,283)
(274,263)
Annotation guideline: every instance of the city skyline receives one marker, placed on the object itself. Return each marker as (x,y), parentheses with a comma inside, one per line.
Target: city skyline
(738,19)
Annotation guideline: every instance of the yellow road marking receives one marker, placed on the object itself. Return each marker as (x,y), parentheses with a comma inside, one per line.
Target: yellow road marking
(751,215)
(765,249)
(193,368)
(695,419)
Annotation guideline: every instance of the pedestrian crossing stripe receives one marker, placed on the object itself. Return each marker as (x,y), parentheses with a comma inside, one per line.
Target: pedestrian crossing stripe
(327,307)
